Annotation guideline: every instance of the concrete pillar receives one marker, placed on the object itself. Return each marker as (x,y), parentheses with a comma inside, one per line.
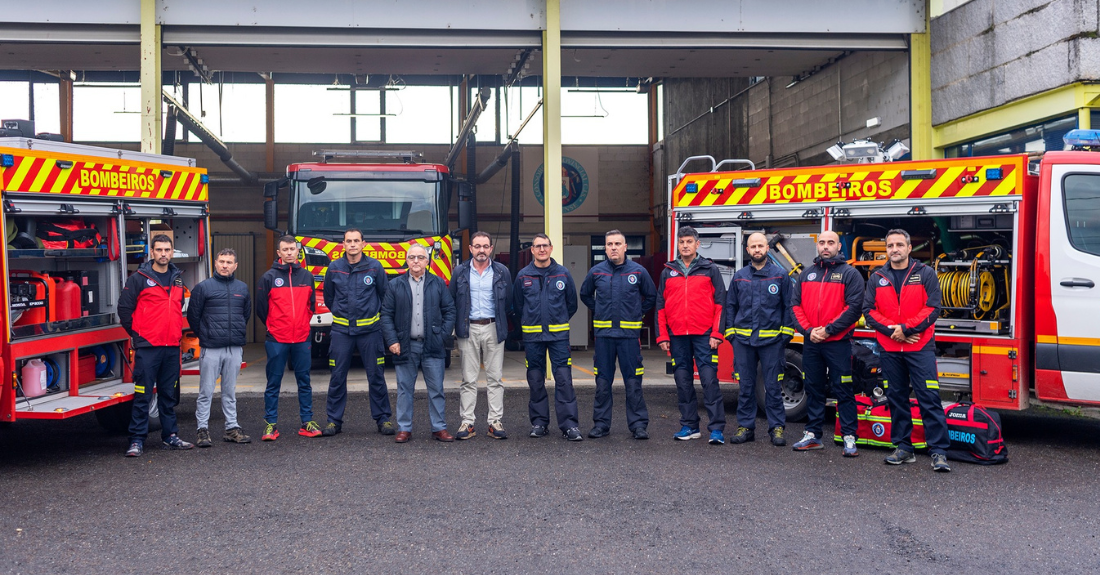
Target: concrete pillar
(551,124)
(150,79)
(920,92)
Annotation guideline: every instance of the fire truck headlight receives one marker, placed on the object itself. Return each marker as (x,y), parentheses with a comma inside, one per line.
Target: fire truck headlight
(315,257)
(896,150)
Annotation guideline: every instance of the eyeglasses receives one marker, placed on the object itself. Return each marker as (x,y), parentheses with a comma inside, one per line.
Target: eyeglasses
(480,246)
(541,247)
(416,258)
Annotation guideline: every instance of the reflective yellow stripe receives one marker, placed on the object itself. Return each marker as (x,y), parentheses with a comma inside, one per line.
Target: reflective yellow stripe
(728,332)
(714,359)
(768,333)
(787,331)
(932,383)
(780,377)
(630,324)
(736,375)
(139,389)
(639,371)
(532,329)
(601,323)
(340,320)
(558,327)
(382,360)
(366,321)
(742,331)
(674,363)
(332,363)
(569,361)
(525,364)
(846,379)
(595,371)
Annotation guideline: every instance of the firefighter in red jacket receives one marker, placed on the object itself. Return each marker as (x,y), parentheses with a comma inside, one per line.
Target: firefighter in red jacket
(150,308)
(826,304)
(901,303)
(285,302)
(690,297)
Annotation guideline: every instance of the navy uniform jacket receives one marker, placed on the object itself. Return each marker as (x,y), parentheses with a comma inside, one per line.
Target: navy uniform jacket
(353,293)
(758,306)
(619,296)
(544,299)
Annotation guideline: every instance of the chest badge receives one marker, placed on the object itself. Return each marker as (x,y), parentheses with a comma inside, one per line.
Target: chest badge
(882,282)
(527,282)
(773,289)
(632,279)
(151,283)
(812,276)
(560,285)
(674,274)
(278,282)
(369,280)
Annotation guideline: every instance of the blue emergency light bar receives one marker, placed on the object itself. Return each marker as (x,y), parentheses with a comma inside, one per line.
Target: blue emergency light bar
(1081,139)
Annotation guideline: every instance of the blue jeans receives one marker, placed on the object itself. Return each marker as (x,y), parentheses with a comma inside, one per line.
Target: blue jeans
(277,356)
(433,368)
(684,349)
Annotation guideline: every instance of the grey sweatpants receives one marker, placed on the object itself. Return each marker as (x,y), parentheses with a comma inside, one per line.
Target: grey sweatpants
(224,362)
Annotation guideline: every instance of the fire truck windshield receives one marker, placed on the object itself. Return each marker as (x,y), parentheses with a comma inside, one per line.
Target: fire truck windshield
(382,209)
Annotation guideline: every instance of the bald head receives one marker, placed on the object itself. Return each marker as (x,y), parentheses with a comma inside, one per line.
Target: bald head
(757,246)
(828,244)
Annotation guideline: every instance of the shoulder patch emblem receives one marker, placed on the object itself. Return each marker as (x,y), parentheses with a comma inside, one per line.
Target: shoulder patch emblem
(674,273)
(632,278)
(151,283)
(369,280)
(278,282)
(560,285)
(812,276)
(773,289)
(882,282)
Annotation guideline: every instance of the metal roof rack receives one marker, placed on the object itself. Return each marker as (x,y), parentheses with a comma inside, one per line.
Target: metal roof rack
(405,156)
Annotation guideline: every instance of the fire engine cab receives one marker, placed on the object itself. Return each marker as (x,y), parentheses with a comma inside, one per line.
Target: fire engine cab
(1015,241)
(77,221)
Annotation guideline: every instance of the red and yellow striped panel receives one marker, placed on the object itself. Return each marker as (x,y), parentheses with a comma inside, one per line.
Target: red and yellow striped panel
(959,178)
(391,255)
(56,173)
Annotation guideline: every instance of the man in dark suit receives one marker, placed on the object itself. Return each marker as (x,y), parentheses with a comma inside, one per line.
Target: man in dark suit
(417,312)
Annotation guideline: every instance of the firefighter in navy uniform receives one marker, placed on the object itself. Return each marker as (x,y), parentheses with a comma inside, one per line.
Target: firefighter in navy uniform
(150,308)
(619,292)
(826,304)
(901,303)
(544,298)
(354,287)
(758,324)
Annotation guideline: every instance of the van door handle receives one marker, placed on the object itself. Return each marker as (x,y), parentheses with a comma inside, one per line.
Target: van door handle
(1078,282)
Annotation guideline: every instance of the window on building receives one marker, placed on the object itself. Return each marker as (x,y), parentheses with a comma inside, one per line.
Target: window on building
(15,101)
(1040,137)
(106,113)
(422,115)
(1081,194)
(368,127)
(307,114)
(233,112)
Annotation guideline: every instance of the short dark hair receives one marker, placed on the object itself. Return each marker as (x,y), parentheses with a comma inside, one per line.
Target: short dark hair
(899,232)
(614,233)
(162,239)
(228,252)
(287,239)
(353,230)
(685,231)
(543,236)
(480,234)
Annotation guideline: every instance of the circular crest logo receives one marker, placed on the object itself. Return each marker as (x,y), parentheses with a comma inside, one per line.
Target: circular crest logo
(773,289)
(812,276)
(368,280)
(674,274)
(574,185)
(633,279)
(878,429)
(560,285)
(151,283)
(278,282)
(883,282)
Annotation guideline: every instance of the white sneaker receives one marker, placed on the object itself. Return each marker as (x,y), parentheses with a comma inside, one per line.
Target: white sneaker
(850,446)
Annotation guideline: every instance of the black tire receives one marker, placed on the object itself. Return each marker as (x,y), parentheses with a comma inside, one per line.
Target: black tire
(794,392)
(116,418)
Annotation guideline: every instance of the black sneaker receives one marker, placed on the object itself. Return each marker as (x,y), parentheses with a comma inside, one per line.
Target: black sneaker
(640,433)
(598,432)
(539,431)
(135,449)
(939,463)
(572,434)
(776,434)
(203,438)
(330,430)
(742,435)
(174,443)
(900,456)
(386,428)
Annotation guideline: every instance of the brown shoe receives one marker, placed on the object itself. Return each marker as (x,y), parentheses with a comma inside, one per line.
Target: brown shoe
(443,436)
(402,437)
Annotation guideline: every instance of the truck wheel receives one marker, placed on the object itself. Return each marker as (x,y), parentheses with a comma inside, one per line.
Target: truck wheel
(116,418)
(793,391)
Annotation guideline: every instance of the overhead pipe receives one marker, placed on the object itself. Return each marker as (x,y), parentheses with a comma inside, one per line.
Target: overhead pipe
(468,125)
(192,124)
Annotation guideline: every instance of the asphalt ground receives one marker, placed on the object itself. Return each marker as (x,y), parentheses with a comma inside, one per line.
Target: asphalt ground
(358,502)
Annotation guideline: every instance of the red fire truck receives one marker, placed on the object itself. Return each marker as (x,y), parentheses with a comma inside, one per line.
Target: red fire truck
(1015,241)
(394,204)
(77,221)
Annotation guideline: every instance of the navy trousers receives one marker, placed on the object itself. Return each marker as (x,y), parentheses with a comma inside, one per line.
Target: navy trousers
(372,351)
(915,370)
(771,358)
(628,352)
(565,400)
(685,349)
(159,367)
(835,359)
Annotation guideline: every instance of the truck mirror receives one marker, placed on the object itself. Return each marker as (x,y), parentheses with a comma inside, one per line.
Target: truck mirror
(467,218)
(271,189)
(271,214)
(316,185)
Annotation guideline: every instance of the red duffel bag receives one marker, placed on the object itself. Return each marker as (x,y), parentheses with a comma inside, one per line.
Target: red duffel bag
(874,424)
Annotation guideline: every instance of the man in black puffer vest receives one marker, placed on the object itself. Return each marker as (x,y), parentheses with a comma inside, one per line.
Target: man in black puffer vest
(218,313)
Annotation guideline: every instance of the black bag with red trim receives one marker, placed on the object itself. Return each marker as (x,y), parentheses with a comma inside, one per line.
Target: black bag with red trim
(975,435)
(68,233)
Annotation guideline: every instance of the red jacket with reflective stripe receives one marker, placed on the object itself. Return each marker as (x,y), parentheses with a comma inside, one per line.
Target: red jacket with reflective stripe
(151,312)
(828,294)
(916,309)
(690,304)
(285,302)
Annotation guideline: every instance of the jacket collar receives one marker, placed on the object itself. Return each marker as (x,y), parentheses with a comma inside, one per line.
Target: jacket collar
(227,279)
(146,269)
(279,265)
(830,262)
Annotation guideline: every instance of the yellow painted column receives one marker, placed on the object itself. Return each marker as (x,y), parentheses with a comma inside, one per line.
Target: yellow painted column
(551,124)
(920,92)
(150,79)
(1084,118)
